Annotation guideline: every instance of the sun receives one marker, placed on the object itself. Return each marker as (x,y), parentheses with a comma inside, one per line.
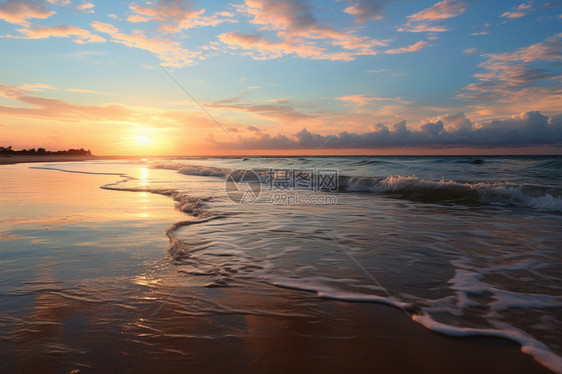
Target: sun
(142,139)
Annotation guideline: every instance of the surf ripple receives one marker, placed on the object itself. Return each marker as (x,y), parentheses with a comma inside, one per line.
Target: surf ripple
(442,191)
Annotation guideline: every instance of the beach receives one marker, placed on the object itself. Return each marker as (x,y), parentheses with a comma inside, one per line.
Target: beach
(94,280)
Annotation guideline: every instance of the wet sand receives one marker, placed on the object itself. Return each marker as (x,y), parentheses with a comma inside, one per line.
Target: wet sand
(87,286)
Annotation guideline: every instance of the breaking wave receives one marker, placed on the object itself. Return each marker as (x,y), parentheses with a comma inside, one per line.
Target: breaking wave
(502,194)
(542,198)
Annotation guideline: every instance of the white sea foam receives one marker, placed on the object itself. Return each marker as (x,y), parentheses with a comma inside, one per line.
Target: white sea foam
(188,169)
(529,345)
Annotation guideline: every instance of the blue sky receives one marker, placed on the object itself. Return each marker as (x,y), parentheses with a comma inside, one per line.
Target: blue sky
(459,73)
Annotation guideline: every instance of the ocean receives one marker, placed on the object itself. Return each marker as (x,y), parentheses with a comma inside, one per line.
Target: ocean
(462,245)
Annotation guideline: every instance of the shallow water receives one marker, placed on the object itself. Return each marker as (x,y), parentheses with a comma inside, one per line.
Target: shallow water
(462,245)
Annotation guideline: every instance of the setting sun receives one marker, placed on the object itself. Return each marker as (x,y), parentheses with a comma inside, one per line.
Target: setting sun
(142,139)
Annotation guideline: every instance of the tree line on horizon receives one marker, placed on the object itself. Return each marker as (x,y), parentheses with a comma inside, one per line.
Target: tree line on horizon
(43,152)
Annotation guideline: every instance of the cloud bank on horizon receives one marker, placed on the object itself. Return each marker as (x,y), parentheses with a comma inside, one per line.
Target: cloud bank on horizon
(525,129)
(281,74)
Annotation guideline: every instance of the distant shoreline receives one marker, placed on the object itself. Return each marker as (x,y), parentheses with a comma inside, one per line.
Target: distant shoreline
(8,160)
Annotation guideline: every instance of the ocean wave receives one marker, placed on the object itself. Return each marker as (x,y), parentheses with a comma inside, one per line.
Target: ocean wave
(503,194)
(551,164)
(187,169)
(542,198)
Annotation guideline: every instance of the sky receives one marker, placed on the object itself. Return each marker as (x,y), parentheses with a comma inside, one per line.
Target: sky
(249,77)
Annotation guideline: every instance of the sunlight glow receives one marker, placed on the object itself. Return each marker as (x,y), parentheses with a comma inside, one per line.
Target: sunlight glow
(142,139)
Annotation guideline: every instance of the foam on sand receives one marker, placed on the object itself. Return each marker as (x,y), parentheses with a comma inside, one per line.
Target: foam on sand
(529,345)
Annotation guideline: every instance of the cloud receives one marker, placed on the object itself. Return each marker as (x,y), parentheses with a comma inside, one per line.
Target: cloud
(20,11)
(525,129)
(59,2)
(261,48)
(171,53)
(49,108)
(61,31)
(87,8)
(79,90)
(526,77)
(422,27)
(38,87)
(422,20)
(470,51)
(365,10)
(411,48)
(104,27)
(513,14)
(517,11)
(45,108)
(362,99)
(297,29)
(176,15)
(278,111)
(441,10)
(253,129)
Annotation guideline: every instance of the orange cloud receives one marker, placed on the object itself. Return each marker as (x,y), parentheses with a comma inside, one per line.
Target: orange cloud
(441,10)
(79,90)
(514,80)
(422,27)
(296,27)
(59,2)
(365,10)
(170,52)
(20,11)
(422,20)
(39,87)
(518,11)
(262,48)
(176,15)
(104,27)
(361,99)
(411,48)
(88,7)
(56,109)
(525,129)
(48,108)
(61,31)
(280,111)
